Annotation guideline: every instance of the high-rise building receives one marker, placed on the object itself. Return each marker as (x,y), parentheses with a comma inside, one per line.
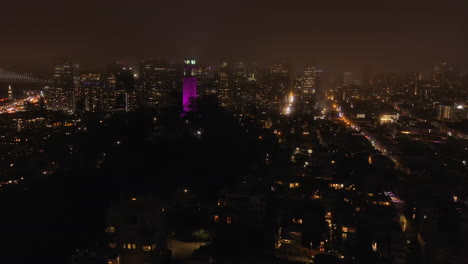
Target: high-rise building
(453,112)
(109,91)
(65,73)
(445,76)
(277,84)
(157,80)
(205,81)
(309,87)
(56,99)
(223,84)
(235,81)
(189,91)
(238,80)
(412,83)
(66,79)
(438,74)
(347,78)
(309,82)
(119,91)
(91,86)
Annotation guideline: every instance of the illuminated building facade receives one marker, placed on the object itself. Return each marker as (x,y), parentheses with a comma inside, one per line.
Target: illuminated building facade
(455,112)
(58,99)
(91,85)
(119,91)
(157,79)
(66,80)
(189,91)
(277,85)
(238,79)
(206,84)
(309,84)
(347,78)
(445,76)
(223,84)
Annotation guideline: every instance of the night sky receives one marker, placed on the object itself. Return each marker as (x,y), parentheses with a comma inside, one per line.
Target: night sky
(337,35)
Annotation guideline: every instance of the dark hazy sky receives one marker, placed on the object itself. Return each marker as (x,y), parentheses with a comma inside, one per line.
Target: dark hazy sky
(338,35)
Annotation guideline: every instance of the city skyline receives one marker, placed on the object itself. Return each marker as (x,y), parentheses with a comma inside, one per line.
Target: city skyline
(217,132)
(365,73)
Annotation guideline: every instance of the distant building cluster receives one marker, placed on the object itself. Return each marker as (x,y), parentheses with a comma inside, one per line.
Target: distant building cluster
(154,82)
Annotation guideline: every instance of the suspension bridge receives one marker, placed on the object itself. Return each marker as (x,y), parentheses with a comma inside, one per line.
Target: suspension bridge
(15,78)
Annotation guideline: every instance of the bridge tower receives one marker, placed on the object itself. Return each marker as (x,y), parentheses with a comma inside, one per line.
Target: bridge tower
(10,93)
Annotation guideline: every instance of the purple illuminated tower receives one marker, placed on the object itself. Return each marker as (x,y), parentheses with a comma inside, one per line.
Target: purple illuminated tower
(190,84)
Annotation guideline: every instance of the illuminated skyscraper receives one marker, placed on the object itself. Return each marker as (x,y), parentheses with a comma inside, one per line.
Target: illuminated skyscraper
(65,74)
(190,84)
(91,86)
(278,84)
(444,76)
(158,79)
(205,81)
(66,77)
(223,84)
(119,92)
(309,84)
(347,78)
(437,74)
(233,88)
(309,88)
(412,82)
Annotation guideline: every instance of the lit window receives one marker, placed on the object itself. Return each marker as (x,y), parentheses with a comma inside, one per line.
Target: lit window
(110,229)
(112,245)
(374,246)
(228,220)
(146,248)
(216,218)
(293,185)
(133,246)
(297,220)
